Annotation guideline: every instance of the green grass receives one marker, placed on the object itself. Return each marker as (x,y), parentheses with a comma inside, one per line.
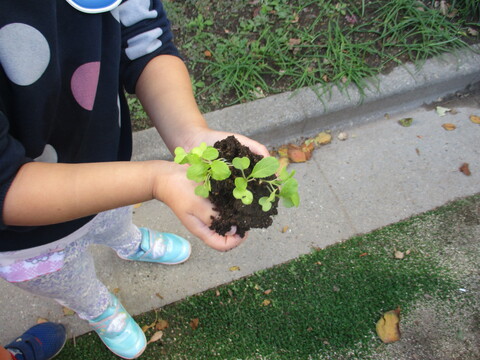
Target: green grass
(259,48)
(323,305)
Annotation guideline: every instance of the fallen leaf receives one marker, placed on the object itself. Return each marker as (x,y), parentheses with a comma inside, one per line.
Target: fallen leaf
(449,126)
(465,169)
(388,327)
(284,229)
(283,161)
(295,154)
(217,292)
(399,255)
(417,151)
(145,328)
(266,292)
(207,53)
(266,302)
(41,320)
(68,312)
(136,206)
(155,337)
(283,151)
(472,31)
(293,42)
(159,296)
(234,268)
(116,291)
(342,136)
(475,119)
(405,122)
(308,147)
(441,111)
(363,254)
(194,323)
(161,325)
(319,263)
(323,138)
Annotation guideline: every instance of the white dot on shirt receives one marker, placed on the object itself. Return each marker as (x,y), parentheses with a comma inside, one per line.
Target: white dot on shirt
(24,53)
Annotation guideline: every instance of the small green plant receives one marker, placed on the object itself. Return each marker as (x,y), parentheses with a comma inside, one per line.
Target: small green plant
(205,165)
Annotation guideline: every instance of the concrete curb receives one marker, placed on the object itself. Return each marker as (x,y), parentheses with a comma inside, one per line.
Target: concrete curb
(302,113)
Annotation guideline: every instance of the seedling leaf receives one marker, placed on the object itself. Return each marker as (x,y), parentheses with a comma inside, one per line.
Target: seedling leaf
(265,203)
(265,167)
(201,190)
(220,170)
(199,149)
(241,163)
(241,183)
(245,195)
(180,155)
(210,153)
(197,172)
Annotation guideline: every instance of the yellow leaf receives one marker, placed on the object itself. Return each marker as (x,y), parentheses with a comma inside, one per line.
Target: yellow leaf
(145,328)
(475,119)
(235,268)
(41,320)
(116,291)
(388,327)
(266,302)
(449,126)
(136,206)
(284,229)
(323,138)
(155,337)
(68,312)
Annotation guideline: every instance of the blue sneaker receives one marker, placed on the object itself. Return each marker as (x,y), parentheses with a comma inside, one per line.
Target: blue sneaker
(161,248)
(119,332)
(41,342)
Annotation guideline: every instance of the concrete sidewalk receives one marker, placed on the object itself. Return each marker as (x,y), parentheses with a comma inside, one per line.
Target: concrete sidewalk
(381,174)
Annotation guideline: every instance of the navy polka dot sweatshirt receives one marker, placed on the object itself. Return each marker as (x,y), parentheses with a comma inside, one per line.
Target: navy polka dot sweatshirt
(62,79)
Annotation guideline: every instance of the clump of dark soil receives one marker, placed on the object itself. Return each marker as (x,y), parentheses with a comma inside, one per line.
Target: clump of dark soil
(232,212)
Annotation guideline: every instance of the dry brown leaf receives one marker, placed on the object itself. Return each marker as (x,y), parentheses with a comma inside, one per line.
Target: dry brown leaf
(284,229)
(116,291)
(283,151)
(472,31)
(295,154)
(388,327)
(234,268)
(266,292)
(475,119)
(155,337)
(194,323)
(266,302)
(399,255)
(323,138)
(161,325)
(293,42)
(207,53)
(363,254)
(217,292)
(159,296)
(465,168)
(449,126)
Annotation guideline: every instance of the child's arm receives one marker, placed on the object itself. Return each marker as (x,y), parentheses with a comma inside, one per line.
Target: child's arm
(44,193)
(165,90)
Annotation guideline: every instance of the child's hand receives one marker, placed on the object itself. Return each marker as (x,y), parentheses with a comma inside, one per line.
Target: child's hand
(211,136)
(194,212)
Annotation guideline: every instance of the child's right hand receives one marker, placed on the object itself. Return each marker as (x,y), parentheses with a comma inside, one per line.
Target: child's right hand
(195,212)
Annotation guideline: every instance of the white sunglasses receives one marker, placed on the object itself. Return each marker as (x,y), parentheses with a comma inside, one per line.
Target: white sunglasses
(94,6)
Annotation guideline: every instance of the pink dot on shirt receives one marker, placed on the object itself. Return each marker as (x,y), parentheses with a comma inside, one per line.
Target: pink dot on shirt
(84,84)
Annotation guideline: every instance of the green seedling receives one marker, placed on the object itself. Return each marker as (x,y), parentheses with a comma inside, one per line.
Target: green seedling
(205,165)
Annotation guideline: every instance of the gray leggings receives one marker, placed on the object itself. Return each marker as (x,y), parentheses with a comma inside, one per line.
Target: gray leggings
(76,285)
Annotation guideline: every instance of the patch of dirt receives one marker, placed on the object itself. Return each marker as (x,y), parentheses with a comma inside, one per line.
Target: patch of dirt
(446,329)
(232,212)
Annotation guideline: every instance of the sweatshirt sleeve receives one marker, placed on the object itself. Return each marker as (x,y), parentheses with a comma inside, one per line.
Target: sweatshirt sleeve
(12,157)
(146,33)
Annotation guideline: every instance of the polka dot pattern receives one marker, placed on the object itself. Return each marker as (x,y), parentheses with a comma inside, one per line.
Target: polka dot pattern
(24,53)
